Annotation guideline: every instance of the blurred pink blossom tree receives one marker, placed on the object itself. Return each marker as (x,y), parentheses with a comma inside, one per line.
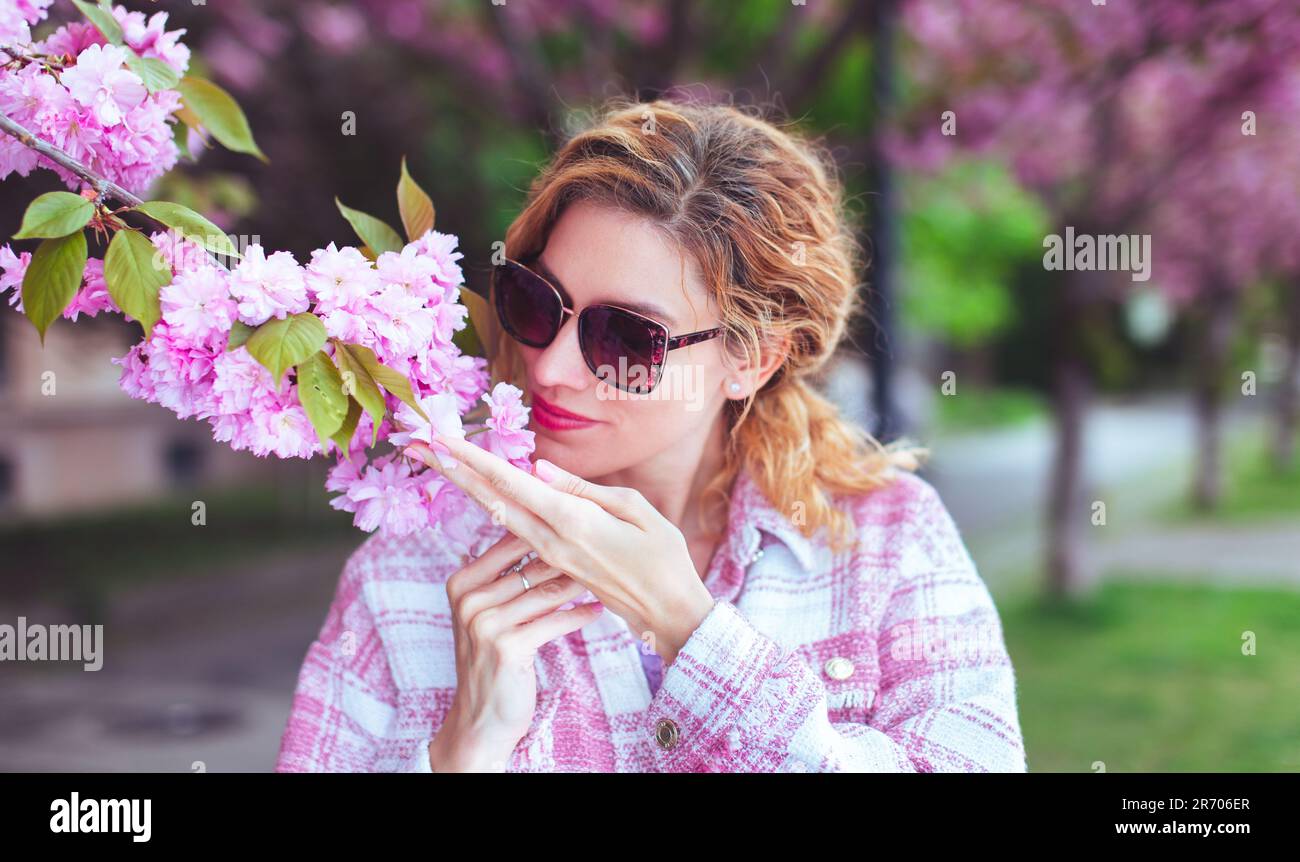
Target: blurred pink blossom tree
(1121,118)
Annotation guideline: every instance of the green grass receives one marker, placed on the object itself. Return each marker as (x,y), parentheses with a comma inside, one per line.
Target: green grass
(983,409)
(80,559)
(1151,677)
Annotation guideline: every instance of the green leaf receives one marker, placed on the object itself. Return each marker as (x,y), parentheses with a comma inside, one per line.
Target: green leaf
(358,383)
(280,344)
(467,340)
(239,333)
(343,437)
(53,278)
(393,381)
(55,214)
(320,391)
(479,337)
(155,73)
(373,232)
(220,114)
(135,273)
(415,206)
(191,224)
(102,19)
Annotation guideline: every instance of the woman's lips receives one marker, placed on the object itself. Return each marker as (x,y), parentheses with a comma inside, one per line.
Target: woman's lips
(556,418)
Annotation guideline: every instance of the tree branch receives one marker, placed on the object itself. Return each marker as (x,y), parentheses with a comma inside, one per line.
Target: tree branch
(103,186)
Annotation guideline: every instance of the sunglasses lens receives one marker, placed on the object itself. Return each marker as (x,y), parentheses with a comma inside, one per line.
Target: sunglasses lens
(527,306)
(622,349)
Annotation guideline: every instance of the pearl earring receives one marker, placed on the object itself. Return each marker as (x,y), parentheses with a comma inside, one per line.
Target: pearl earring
(734,387)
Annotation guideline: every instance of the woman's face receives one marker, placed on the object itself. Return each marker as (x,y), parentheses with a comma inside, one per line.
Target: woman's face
(599,255)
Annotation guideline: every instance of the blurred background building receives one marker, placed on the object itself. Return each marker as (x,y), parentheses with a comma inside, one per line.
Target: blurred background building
(63,408)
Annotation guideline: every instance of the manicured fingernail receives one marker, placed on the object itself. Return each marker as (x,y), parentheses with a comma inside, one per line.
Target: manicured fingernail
(546,471)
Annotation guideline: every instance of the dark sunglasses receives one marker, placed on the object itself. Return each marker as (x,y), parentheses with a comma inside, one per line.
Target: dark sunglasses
(625,349)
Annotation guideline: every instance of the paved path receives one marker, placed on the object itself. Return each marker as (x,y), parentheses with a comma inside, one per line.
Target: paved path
(1138,458)
(1258,554)
(193,671)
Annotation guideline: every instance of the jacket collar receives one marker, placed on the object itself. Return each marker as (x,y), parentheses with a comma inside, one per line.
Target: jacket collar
(751,512)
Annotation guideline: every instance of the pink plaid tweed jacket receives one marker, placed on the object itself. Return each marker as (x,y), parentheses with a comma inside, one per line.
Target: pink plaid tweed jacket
(886,657)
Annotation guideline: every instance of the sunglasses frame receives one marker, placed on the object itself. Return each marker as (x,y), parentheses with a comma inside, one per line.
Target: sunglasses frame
(663,339)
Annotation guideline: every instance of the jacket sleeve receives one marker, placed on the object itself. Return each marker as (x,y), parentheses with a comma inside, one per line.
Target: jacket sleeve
(345,715)
(741,702)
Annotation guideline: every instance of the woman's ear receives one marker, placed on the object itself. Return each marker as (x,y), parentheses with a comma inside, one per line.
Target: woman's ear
(750,375)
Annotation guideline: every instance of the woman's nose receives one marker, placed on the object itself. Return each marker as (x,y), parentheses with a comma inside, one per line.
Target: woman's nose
(560,363)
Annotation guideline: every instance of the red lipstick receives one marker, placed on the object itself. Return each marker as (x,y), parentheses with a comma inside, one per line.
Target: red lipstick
(556,418)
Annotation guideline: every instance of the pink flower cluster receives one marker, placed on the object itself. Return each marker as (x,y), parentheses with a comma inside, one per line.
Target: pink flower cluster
(404,307)
(78,92)
(74,90)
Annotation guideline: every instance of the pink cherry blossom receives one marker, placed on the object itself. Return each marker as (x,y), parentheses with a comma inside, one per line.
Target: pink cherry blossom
(440,250)
(444,419)
(12,269)
(340,279)
(100,82)
(387,495)
(268,287)
(507,433)
(179,252)
(181,371)
(16,17)
(280,426)
(136,378)
(238,379)
(410,270)
(197,304)
(151,38)
(93,296)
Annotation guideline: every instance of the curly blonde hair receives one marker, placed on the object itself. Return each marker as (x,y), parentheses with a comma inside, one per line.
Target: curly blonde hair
(761,210)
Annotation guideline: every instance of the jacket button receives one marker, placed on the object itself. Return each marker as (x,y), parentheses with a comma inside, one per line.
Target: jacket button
(839,668)
(666,733)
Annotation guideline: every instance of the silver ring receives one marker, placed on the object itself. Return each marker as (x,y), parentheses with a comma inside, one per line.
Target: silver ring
(527,586)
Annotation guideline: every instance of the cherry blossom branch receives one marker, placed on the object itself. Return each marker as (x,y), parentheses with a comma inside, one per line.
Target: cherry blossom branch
(102,185)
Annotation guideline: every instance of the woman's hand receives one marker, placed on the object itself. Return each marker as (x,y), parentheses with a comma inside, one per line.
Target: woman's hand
(609,539)
(498,626)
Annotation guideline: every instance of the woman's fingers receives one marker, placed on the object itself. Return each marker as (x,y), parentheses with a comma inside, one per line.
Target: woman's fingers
(507,551)
(545,629)
(495,494)
(503,589)
(497,621)
(624,503)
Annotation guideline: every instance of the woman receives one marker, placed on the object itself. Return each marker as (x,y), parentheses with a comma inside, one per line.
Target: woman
(712,570)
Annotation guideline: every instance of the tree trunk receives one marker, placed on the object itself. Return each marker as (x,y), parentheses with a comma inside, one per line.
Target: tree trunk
(1288,396)
(1066,516)
(1216,341)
